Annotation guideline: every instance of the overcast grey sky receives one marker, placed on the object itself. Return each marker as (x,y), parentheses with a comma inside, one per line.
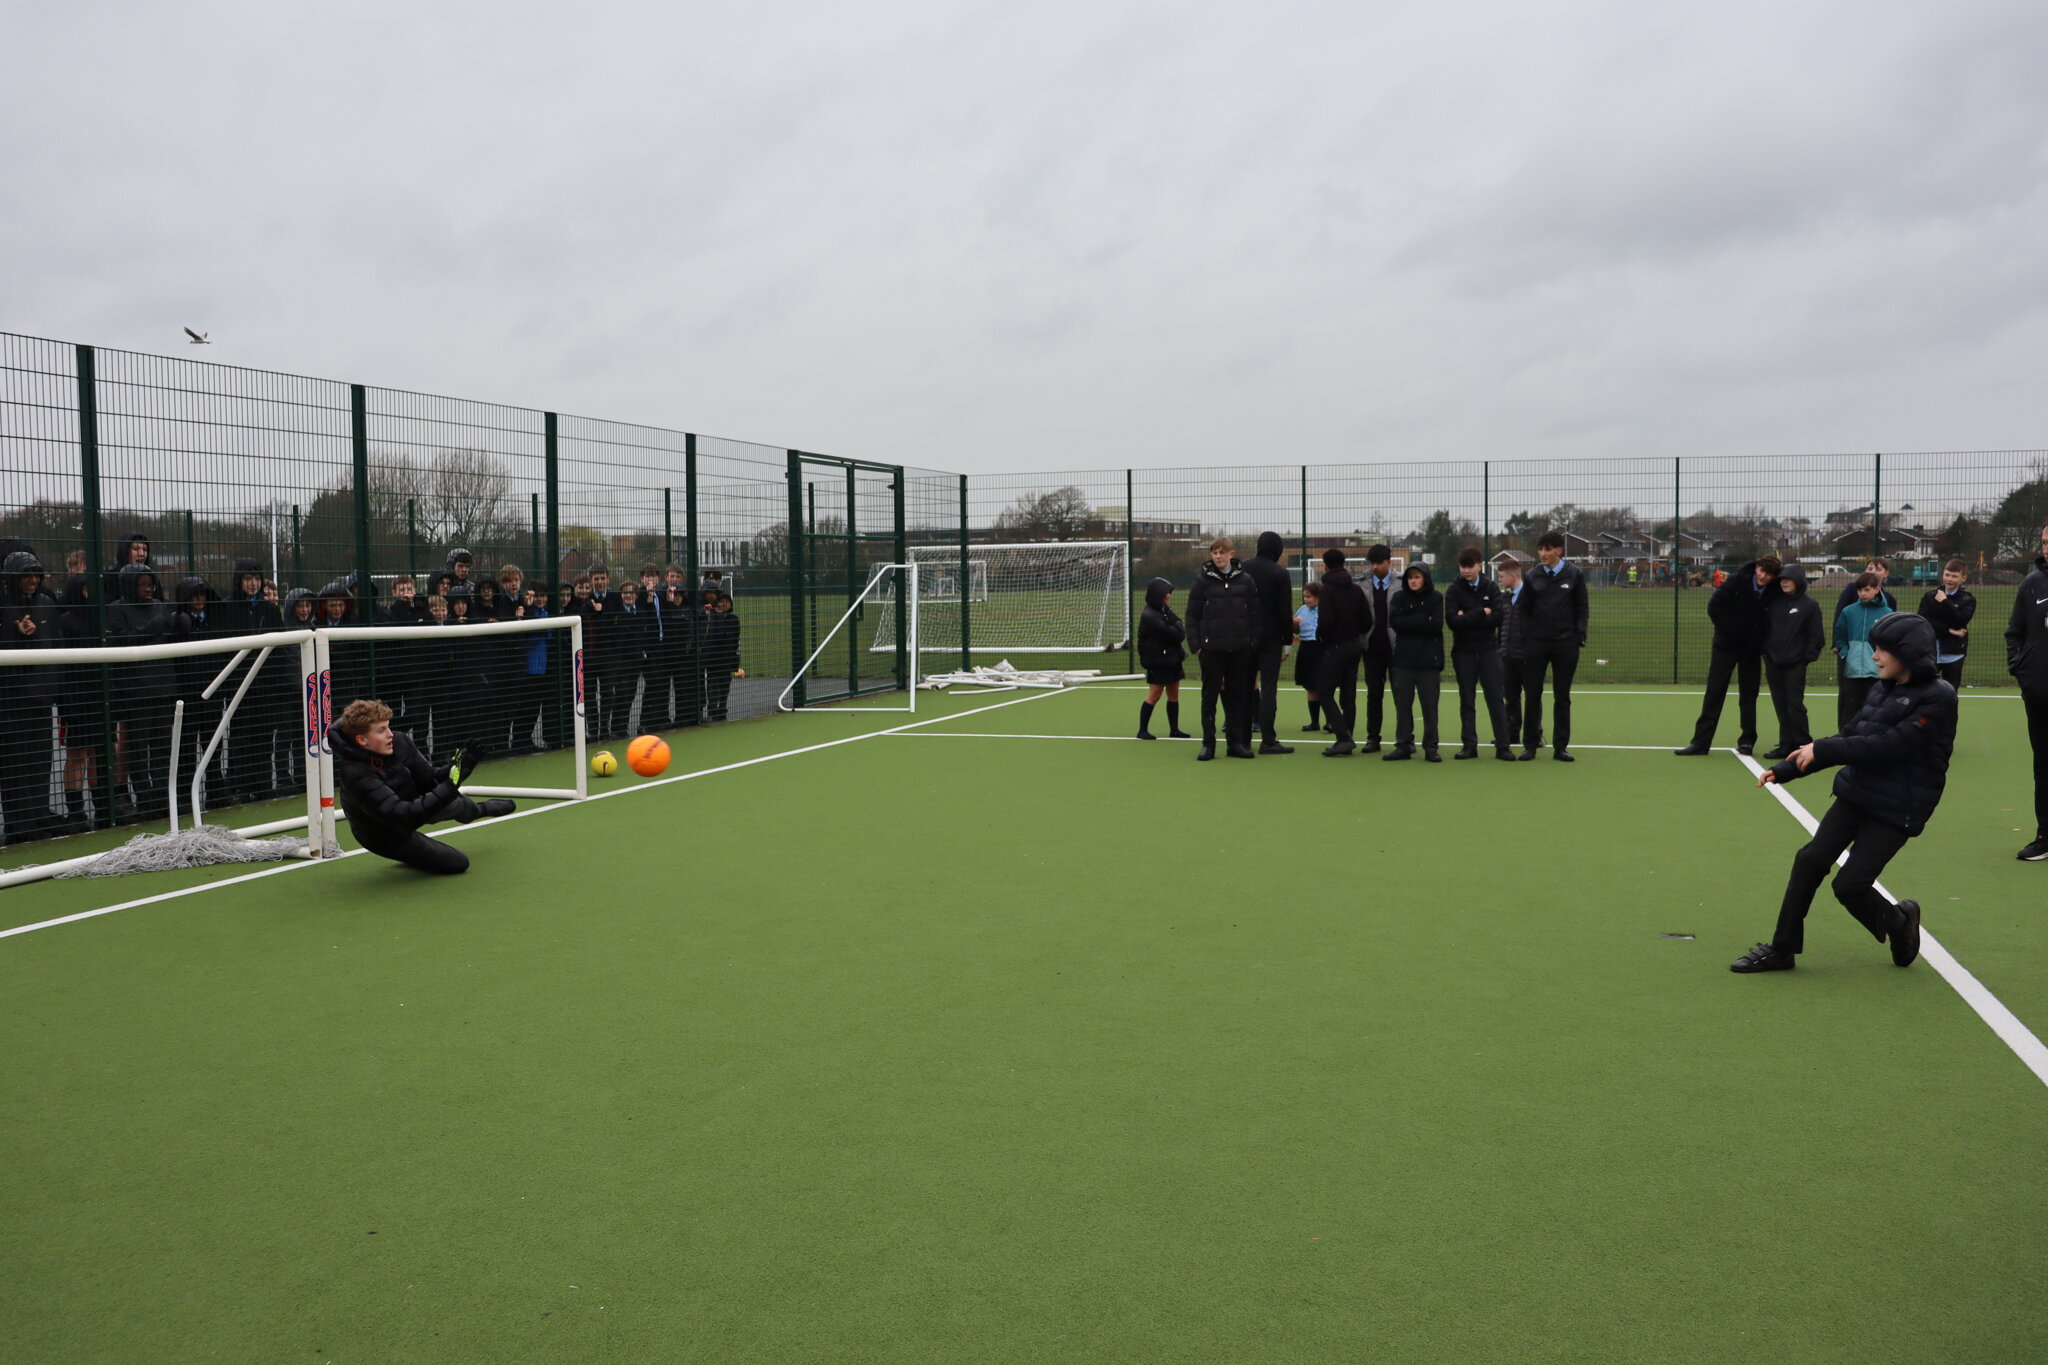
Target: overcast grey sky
(988,237)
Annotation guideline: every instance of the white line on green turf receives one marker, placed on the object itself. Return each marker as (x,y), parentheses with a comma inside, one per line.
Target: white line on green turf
(1594,689)
(2016,1035)
(296,865)
(977,734)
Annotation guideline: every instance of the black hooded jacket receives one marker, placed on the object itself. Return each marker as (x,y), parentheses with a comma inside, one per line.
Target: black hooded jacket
(1344,612)
(1418,622)
(249,613)
(386,798)
(133,621)
(1738,611)
(1223,610)
(28,621)
(1466,607)
(1160,632)
(1894,753)
(1276,590)
(2026,633)
(1954,612)
(1793,633)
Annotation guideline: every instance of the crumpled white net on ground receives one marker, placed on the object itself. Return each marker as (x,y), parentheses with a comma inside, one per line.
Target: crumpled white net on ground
(203,846)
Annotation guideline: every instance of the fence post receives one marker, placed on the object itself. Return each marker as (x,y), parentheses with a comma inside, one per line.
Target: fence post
(412,538)
(533,536)
(853,627)
(1305,569)
(89,509)
(1486,507)
(693,682)
(551,459)
(1130,549)
(191,547)
(298,551)
(359,442)
(794,556)
(1677,529)
(668,526)
(906,671)
(1877,506)
(966,583)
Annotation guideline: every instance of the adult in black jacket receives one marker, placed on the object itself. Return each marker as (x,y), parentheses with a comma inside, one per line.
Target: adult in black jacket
(1554,620)
(388,790)
(1276,612)
(2026,658)
(1793,639)
(1950,608)
(1416,615)
(28,623)
(143,691)
(1379,587)
(1344,617)
(1160,650)
(1224,625)
(1474,608)
(1737,610)
(1894,759)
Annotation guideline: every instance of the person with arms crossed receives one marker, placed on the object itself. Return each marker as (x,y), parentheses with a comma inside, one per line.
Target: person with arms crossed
(1474,609)
(1223,624)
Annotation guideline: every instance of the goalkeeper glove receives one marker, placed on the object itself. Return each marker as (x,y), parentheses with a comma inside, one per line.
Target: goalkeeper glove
(464,765)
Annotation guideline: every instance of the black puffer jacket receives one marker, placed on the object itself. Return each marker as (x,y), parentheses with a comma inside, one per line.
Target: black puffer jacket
(1793,633)
(1160,632)
(1738,611)
(1418,621)
(2026,633)
(1894,754)
(386,799)
(1276,590)
(1223,610)
(134,621)
(1554,605)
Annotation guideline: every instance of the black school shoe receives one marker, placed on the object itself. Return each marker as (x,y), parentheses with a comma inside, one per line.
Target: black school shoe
(1526,756)
(1565,756)
(1312,729)
(1775,754)
(1432,756)
(1394,755)
(1274,746)
(1693,750)
(1905,939)
(1205,753)
(1505,752)
(1469,751)
(1764,958)
(1745,749)
(1371,746)
(1238,751)
(1340,749)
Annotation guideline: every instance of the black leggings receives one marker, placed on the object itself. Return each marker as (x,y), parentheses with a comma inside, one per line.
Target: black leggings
(1871,843)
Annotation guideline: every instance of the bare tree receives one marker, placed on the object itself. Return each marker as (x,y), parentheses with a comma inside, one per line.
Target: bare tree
(1061,514)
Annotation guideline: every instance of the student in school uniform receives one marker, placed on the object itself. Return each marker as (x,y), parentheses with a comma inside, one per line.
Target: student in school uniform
(1308,656)
(1474,608)
(1950,608)
(1162,652)
(1853,648)
(1793,639)
(1417,621)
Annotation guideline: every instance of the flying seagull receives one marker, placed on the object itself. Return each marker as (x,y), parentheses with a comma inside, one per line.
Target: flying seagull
(198,338)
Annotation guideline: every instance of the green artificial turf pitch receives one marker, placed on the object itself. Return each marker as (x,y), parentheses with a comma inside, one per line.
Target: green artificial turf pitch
(930,1047)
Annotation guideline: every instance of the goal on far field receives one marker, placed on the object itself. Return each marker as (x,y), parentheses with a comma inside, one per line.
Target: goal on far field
(1056,597)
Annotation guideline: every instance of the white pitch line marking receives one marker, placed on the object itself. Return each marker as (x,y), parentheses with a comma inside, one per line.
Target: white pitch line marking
(2028,1048)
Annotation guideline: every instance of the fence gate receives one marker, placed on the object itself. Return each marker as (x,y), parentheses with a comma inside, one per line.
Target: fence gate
(845,517)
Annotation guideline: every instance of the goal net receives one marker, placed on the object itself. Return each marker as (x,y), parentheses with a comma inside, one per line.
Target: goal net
(1049,597)
(845,663)
(220,742)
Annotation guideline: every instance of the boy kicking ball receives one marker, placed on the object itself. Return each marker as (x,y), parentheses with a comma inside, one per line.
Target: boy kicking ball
(1894,758)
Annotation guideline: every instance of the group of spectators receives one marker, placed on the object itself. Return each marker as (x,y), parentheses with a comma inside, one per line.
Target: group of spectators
(654,638)
(1508,635)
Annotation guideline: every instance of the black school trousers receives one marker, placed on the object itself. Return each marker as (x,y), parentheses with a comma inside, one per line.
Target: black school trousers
(1269,689)
(1482,672)
(1726,664)
(1339,687)
(2037,735)
(1788,698)
(1227,673)
(1561,658)
(1413,685)
(1378,669)
(1871,843)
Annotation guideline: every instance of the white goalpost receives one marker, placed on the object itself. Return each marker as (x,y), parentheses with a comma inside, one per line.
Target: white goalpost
(1037,597)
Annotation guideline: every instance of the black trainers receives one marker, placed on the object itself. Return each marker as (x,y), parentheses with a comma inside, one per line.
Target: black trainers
(1505,753)
(1340,749)
(1693,750)
(1469,751)
(1775,754)
(1565,756)
(1311,729)
(1764,958)
(1371,746)
(1206,752)
(1274,746)
(1146,734)
(1238,751)
(1393,755)
(1745,749)
(496,807)
(1905,938)
(1432,756)
(1526,756)
(2035,852)
(1178,734)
